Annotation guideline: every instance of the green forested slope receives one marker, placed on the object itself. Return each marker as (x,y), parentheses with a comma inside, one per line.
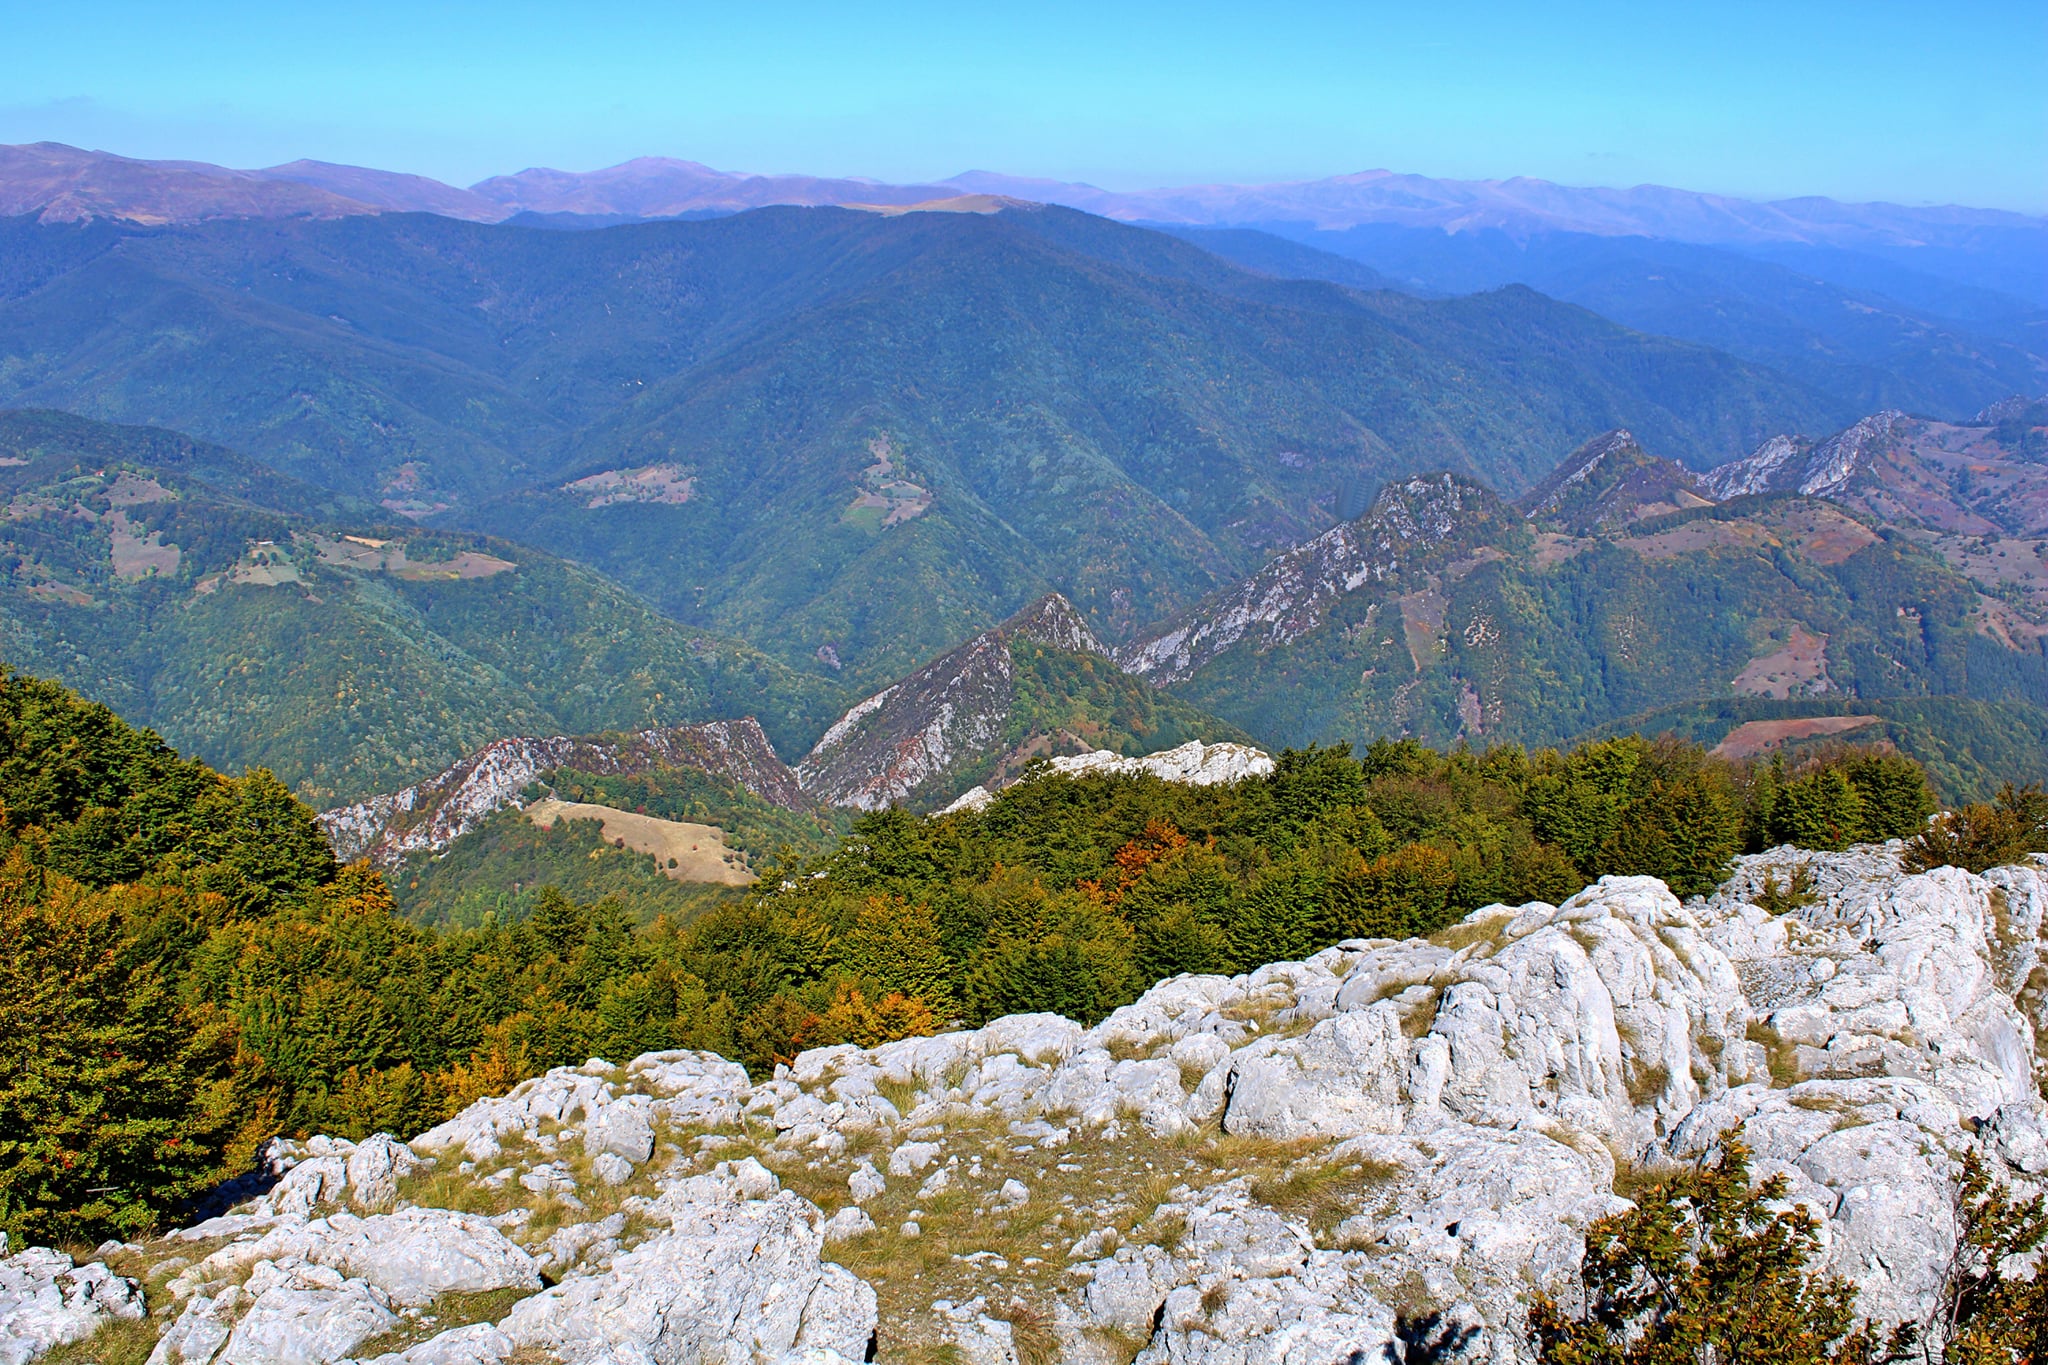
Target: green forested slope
(1538,638)
(1131,439)
(345,677)
(1086,406)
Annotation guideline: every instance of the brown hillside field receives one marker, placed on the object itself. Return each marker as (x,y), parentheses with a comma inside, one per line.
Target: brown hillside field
(1796,668)
(686,852)
(1754,737)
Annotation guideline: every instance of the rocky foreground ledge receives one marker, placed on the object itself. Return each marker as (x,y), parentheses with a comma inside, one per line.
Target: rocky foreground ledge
(1321,1161)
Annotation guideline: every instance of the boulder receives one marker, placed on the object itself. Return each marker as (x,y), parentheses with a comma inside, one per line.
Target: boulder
(416,1255)
(624,1128)
(374,1169)
(303,1314)
(201,1329)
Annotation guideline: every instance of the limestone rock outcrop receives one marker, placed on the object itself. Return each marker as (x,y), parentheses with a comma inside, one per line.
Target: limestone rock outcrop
(1386,1144)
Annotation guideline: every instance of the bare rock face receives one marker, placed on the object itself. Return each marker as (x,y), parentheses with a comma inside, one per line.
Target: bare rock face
(1290,597)
(1193,764)
(1467,1099)
(374,1169)
(302,1314)
(889,746)
(47,1300)
(1785,464)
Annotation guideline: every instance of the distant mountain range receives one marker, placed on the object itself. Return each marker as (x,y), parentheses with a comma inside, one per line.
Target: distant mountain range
(1935,310)
(66,184)
(754,420)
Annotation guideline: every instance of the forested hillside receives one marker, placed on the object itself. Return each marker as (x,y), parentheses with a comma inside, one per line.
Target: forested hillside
(753,419)
(1448,614)
(256,621)
(188,971)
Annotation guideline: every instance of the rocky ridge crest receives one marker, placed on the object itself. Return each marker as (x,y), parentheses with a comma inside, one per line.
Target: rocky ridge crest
(1609,482)
(1292,594)
(1788,464)
(430,815)
(890,745)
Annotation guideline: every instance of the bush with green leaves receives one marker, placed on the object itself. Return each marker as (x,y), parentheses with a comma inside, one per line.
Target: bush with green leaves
(1708,1269)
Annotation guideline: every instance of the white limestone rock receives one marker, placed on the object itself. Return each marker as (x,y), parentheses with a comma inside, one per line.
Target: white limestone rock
(47,1299)
(304,1314)
(374,1169)
(734,1277)
(624,1128)
(912,1158)
(851,1221)
(866,1182)
(307,1185)
(611,1169)
(201,1329)
(1327,1312)
(418,1254)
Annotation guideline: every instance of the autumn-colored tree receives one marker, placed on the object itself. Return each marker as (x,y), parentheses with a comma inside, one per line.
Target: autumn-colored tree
(853,1018)
(895,945)
(1981,836)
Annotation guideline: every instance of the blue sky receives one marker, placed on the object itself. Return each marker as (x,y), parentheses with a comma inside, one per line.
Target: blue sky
(1918,103)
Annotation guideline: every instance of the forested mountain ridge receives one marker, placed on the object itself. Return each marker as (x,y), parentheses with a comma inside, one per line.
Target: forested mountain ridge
(1622,593)
(346,654)
(1071,404)
(428,816)
(1611,481)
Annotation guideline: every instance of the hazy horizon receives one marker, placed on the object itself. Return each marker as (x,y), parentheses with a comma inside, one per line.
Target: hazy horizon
(1859,103)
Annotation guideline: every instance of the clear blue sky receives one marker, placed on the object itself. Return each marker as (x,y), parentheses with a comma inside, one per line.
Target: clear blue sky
(1944,101)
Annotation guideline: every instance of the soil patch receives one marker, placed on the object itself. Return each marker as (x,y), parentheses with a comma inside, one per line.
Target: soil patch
(138,556)
(1797,668)
(388,556)
(657,483)
(132,490)
(1754,737)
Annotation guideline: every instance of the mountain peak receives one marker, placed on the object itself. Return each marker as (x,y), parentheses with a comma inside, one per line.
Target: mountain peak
(1052,620)
(1610,481)
(987,708)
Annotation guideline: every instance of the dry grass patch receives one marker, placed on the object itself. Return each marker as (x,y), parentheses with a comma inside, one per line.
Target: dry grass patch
(445,1313)
(1032,1336)
(1322,1194)
(1780,1055)
(1491,932)
(1018,1254)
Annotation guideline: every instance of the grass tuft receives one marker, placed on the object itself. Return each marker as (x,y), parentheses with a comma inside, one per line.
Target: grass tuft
(119,1342)
(1032,1336)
